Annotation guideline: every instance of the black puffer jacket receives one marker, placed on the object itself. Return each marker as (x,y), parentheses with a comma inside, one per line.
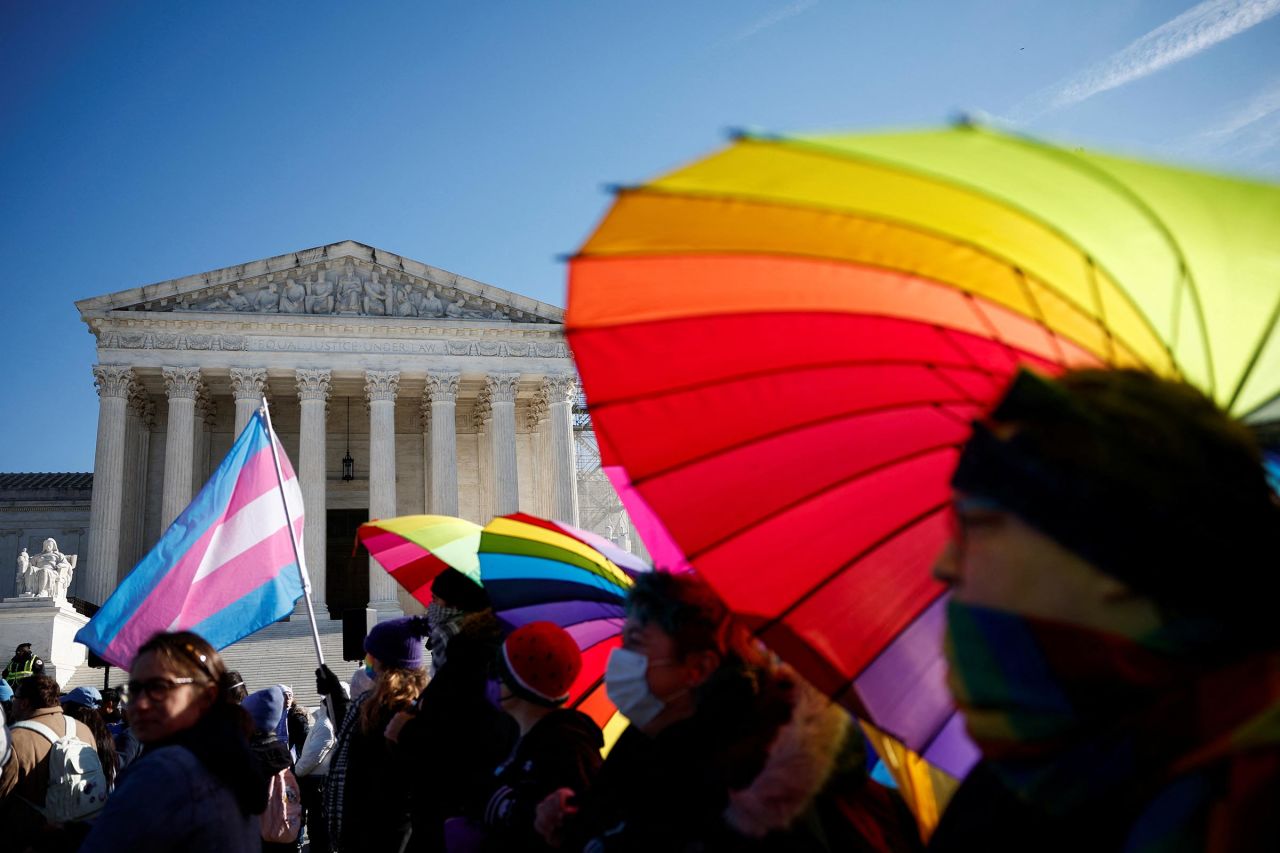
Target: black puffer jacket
(562,750)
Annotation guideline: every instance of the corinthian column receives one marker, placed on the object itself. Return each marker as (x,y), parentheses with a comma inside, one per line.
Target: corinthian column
(206,419)
(381,387)
(536,426)
(181,384)
(247,386)
(442,391)
(561,390)
(112,381)
(502,403)
(313,394)
(140,420)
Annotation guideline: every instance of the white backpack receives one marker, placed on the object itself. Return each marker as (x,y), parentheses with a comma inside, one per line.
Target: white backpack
(77,786)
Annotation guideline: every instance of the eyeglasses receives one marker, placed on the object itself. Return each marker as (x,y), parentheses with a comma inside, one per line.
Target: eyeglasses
(157,689)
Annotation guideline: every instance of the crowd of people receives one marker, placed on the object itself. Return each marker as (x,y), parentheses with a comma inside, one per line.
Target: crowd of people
(1108,641)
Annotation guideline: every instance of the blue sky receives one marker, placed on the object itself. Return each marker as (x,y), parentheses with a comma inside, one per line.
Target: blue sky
(140,141)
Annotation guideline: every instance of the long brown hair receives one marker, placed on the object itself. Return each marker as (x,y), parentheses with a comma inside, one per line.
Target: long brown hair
(190,654)
(395,690)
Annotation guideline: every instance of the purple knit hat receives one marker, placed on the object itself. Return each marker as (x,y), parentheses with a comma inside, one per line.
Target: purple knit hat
(397,643)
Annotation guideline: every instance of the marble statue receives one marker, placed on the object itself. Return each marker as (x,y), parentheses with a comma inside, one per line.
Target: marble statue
(267,301)
(23,578)
(405,306)
(375,297)
(238,302)
(349,291)
(293,297)
(320,296)
(50,572)
(429,305)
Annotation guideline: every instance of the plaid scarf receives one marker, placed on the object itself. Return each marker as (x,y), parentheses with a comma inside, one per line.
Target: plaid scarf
(334,790)
(446,623)
(1181,745)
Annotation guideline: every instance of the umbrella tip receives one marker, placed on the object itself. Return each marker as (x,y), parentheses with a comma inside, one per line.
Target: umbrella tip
(613,189)
(964,120)
(738,134)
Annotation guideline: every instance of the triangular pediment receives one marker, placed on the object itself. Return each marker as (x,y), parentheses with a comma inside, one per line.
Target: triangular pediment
(346,279)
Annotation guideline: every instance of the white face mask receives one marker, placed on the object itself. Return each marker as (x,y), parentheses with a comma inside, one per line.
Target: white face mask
(626,687)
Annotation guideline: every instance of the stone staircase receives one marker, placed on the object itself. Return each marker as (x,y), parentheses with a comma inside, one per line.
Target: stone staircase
(282,653)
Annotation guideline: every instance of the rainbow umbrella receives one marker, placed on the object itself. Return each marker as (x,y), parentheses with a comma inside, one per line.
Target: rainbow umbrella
(415,548)
(537,570)
(823,317)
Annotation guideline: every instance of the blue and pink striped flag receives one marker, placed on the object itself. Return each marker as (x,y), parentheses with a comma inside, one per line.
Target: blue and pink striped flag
(225,567)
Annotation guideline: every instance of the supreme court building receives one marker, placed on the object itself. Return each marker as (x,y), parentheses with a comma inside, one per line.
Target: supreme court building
(450,396)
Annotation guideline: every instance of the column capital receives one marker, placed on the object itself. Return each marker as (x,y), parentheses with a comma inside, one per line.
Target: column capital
(248,383)
(424,413)
(140,405)
(205,407)
(442,386)
(313,383)
(482,410)
(181,382)
(381,385)
(112,380)
(502,387)
(560,387)
(538,409)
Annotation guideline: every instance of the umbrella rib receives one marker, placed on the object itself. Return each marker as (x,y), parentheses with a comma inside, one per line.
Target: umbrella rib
(1102,311)
(1039,313)
(595,685)
(852,682)
(788,430)
(1125,191)
(848,564)
(1272,323)
(814,495)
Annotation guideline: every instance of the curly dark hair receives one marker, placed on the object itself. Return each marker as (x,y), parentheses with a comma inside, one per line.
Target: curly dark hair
(745,701)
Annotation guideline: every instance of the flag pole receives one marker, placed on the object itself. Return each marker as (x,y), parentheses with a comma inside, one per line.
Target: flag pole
(293,539)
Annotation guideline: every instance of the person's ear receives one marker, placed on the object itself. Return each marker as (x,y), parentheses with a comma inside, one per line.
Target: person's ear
(208,697)
(701,665)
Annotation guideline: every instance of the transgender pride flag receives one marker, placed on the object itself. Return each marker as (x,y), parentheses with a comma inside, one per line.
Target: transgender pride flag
(224,568)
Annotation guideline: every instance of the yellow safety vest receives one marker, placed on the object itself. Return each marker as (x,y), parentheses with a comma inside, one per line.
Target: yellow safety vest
(23,670)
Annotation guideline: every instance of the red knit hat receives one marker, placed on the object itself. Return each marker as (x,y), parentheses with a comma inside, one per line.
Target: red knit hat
(541,662)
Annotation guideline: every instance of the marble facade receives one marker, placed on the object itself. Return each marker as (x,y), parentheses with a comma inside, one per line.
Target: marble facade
(460,397)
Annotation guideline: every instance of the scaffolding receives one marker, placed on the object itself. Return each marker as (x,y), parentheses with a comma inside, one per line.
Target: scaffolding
(599,508)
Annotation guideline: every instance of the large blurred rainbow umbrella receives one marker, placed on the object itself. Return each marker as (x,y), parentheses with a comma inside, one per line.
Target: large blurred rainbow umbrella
(538,570)
(822,317)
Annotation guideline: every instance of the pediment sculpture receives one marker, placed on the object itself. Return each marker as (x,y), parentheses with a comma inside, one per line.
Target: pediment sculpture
(47,574)
(351,291)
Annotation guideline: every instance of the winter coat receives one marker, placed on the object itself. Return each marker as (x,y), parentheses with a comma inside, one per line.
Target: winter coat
(562,750)
(25,778)
(314,759)
(448,752)
(197,793)
(370,786)
(683,790)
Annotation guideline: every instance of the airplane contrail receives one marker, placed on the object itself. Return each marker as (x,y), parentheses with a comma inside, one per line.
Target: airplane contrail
(1195,30)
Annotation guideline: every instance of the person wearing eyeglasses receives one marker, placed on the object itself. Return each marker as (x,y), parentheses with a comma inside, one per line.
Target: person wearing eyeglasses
(1110,632)
(196,788)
